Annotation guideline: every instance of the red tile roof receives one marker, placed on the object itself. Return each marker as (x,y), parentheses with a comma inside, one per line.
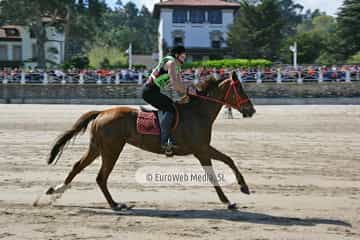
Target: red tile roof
(194,3)
(219,3)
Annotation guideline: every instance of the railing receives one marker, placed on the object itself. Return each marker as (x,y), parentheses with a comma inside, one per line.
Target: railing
(52,78)
(117,78)
(300,76)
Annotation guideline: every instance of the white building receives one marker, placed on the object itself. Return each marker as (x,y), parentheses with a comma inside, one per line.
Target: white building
(199,25)
(18,46)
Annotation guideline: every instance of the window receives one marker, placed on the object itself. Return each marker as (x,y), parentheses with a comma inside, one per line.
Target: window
(34,50)
(215,44)
(32,33)
(178,41)
(215,16)
(3,53)
(197,16)
(216,39)
(12,32)
(179,16)
(178,37)
(17,53)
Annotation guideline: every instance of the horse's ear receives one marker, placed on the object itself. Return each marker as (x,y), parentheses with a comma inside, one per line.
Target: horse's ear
(234,76)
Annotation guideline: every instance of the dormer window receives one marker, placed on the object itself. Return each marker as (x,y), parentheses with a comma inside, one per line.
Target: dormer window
(179,16)
(32,33)
(178,37)
(216,39)
(12,32)
(215,16)
(216,44)
(197,16)
(178,41)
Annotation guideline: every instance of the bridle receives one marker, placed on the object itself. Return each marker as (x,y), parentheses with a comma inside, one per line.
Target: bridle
(232,88)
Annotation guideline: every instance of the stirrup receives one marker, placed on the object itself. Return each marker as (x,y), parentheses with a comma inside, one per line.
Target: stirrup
(169,152)
(169,148)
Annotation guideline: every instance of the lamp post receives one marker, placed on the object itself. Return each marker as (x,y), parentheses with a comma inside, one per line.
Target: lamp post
(295,51)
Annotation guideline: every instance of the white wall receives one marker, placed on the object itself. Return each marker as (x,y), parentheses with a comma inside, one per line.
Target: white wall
(56,40)
(196,35)
(161,33)
(165,29)
(27,44)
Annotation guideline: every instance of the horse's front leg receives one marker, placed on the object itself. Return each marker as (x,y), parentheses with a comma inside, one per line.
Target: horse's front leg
(205,162)
(217,155)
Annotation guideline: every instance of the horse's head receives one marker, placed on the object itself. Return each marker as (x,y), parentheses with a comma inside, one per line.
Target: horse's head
(229,92)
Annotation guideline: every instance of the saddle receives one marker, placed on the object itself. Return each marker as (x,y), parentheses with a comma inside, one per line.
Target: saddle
(147,121)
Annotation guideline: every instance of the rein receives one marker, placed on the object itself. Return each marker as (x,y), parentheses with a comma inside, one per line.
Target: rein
(232,88)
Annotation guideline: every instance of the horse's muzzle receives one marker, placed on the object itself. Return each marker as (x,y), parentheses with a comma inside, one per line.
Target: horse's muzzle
(248,114)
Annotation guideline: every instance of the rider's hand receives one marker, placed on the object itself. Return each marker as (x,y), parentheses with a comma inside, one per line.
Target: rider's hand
(184,99)
(191,90)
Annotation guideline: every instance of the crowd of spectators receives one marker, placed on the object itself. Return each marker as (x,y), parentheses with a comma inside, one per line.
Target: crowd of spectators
(272,74)
(36,75)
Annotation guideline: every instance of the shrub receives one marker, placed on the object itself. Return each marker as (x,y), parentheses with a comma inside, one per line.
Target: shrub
(229,63)
(355,59)
(114,55)
(78,61)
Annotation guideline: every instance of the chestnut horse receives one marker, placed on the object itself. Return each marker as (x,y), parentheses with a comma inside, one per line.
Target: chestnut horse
(113,128)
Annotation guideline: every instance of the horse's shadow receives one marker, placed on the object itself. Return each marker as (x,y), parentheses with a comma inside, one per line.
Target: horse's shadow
(217,214)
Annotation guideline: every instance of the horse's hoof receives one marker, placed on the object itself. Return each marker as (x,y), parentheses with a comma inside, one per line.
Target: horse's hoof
(50,191)
(245,189)
(122,206)
(232,206)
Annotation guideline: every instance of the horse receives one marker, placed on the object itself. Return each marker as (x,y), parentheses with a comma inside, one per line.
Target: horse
(111,129)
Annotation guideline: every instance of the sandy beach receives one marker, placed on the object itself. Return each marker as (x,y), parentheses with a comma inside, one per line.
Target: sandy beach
(302,164)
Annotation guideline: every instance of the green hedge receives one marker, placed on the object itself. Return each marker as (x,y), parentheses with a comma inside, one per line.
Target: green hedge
(229,63)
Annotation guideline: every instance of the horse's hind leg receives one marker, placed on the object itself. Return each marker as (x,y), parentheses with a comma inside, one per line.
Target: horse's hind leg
(109,157)
(91,154)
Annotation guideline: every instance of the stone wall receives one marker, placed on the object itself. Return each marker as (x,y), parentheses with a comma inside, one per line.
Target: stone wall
(305,90)
(131,94)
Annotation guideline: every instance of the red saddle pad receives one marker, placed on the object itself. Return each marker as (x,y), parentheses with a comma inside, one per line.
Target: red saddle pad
(147,123)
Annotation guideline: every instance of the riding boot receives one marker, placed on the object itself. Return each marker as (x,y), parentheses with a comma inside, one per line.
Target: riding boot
(166,141)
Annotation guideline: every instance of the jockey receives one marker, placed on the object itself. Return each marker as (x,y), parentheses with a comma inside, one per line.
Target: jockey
(166,73)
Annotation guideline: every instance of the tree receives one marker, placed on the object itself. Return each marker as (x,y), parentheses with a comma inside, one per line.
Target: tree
(82,18)
(309,47)
(349,27)
(291,14)
(316,41)
(78,62)
(113,55)
(119,5)
(20,12)
(125,25)
(131,13)
(307,23)
(75,17)
(257,31)
(355,59)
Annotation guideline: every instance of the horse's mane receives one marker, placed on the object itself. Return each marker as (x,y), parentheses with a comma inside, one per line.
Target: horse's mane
(205,87)
(210,83)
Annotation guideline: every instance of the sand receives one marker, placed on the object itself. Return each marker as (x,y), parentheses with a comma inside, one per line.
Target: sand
(302,164)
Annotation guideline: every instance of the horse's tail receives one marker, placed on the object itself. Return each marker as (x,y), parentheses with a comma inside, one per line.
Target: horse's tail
(79,127)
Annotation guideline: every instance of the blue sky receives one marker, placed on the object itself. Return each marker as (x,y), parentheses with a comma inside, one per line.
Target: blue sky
(329,6)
